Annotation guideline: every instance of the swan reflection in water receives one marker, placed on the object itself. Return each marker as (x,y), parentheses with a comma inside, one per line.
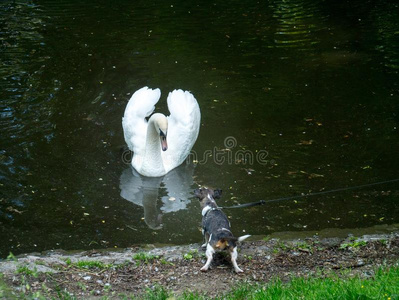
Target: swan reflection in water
(175,186)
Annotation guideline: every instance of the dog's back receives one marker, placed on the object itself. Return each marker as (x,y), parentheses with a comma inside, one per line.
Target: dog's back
(216,224)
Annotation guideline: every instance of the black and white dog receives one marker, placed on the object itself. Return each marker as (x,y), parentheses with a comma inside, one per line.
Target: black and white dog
(216,228)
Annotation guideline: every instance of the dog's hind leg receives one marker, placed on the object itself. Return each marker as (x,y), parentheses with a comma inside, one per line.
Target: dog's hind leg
(209,254)
(206,238)
(234,256)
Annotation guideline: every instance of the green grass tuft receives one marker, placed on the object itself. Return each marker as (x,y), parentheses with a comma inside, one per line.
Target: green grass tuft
(24,270)
(90,264)
(191,255)
(144,257)
(353,245)
(159,293)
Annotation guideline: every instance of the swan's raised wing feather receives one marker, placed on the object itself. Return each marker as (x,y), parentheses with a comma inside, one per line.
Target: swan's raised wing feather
(183,127)
(134,124)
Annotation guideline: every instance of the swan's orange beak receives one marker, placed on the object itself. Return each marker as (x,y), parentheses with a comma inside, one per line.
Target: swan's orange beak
(164,143)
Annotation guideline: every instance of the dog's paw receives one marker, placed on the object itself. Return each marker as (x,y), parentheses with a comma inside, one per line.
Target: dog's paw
(238,270)
(204,269)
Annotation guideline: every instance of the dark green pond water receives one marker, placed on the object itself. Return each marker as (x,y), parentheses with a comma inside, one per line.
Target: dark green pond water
(296,96)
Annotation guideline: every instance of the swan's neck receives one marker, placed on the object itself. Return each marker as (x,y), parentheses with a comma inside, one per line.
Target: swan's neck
(152,163)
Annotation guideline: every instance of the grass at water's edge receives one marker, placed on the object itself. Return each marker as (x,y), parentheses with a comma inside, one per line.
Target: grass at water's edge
(384,284)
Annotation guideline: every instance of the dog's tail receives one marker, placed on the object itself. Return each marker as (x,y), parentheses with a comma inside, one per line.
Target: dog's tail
(241,238)
(236,239)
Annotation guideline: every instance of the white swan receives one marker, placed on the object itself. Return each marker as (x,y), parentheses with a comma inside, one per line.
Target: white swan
(175,134)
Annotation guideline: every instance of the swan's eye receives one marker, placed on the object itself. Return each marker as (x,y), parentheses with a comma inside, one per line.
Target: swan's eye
(161,133)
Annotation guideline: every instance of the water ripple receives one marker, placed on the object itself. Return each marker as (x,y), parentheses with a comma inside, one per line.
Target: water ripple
(387,23)
(297,22)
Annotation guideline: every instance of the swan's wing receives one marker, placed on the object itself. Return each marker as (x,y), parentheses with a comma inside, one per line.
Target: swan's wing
(183,127)
(134,124)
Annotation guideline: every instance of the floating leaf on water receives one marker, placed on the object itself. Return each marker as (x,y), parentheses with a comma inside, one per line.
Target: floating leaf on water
(310,142)
(249,171)
(12,209)
(314,175)
(97,98)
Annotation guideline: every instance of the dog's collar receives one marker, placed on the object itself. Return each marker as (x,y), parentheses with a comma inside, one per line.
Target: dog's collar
(207,209)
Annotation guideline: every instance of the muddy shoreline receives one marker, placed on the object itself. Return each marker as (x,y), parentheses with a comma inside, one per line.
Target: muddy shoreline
(176,268)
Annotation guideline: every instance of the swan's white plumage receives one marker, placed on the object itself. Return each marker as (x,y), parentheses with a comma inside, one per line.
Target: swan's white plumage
(140,106)
(183,129)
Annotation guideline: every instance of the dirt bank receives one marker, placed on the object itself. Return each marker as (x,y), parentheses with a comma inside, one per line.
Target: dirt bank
(130,272)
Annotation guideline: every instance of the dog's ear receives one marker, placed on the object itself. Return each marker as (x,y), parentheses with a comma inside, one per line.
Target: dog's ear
(217,194)
(198,193)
